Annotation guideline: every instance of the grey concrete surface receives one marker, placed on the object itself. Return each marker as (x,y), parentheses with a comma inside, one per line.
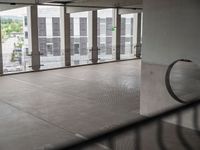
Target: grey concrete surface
(170,33)
(46,108)
(185,80)
(174,26)
(43,109)
(156,99)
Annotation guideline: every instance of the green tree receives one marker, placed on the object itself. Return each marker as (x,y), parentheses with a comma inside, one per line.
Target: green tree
(10,26)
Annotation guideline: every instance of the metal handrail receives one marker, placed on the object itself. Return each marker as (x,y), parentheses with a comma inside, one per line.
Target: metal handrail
(135,125)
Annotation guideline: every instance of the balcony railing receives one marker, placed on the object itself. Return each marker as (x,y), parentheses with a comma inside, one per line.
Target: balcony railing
(136,127)
(108,139)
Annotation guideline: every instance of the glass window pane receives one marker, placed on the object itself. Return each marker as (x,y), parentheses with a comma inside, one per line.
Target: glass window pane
(15,42)
(104,35)
(49,40)
(80,53)
(128,36)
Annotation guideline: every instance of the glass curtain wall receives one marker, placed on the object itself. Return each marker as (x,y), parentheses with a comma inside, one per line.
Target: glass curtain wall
(49,37)
(79,37)
(15,40)
(128,36)
(104,35)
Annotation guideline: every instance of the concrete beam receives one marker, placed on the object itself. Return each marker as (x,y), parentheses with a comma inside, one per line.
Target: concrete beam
(80,9)
(107,3)
(4,7)
(17,1)
(129,11)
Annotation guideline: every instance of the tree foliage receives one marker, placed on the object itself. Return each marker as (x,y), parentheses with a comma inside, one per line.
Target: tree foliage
(9,26)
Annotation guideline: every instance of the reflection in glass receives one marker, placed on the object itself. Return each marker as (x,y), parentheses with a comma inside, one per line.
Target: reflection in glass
(128,36)
(79,37)
(49,37)
(104,35)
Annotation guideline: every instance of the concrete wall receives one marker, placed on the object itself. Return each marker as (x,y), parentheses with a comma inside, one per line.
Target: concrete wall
(171,31)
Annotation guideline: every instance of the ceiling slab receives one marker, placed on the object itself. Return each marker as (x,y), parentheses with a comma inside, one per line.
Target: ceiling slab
(17,1)
(100,3)
(5,4)
(4,7)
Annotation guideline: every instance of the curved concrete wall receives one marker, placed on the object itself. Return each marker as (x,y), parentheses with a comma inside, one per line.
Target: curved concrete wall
(171,31)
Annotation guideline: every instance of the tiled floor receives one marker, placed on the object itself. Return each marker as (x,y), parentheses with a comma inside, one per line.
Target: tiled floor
(43,109)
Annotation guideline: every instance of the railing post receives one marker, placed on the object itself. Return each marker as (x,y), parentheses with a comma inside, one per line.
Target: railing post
(196,120)
(137,127)
(111,143)
(160,135)
(137,139)
(183,141)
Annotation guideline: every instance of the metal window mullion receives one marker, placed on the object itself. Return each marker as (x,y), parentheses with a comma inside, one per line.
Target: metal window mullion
(117,33)
(139,44)
(1,55)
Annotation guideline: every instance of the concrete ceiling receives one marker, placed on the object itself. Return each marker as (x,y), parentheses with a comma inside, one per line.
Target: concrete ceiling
(82,2)
(105,3)
(18,1)
(7,7)
(4,4)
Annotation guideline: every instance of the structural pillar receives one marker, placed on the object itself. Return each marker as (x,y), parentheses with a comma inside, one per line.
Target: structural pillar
(139,43)
(65,35)
(93,36)
(1,55)
(116,33)
(33,30)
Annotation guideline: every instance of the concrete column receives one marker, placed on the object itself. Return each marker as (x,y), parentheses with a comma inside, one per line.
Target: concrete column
(33,38)
(116,33)
(65,35)
(93,35)
(1,56)
(139,43)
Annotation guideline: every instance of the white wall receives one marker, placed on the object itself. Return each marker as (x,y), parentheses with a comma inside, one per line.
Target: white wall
(171,31)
